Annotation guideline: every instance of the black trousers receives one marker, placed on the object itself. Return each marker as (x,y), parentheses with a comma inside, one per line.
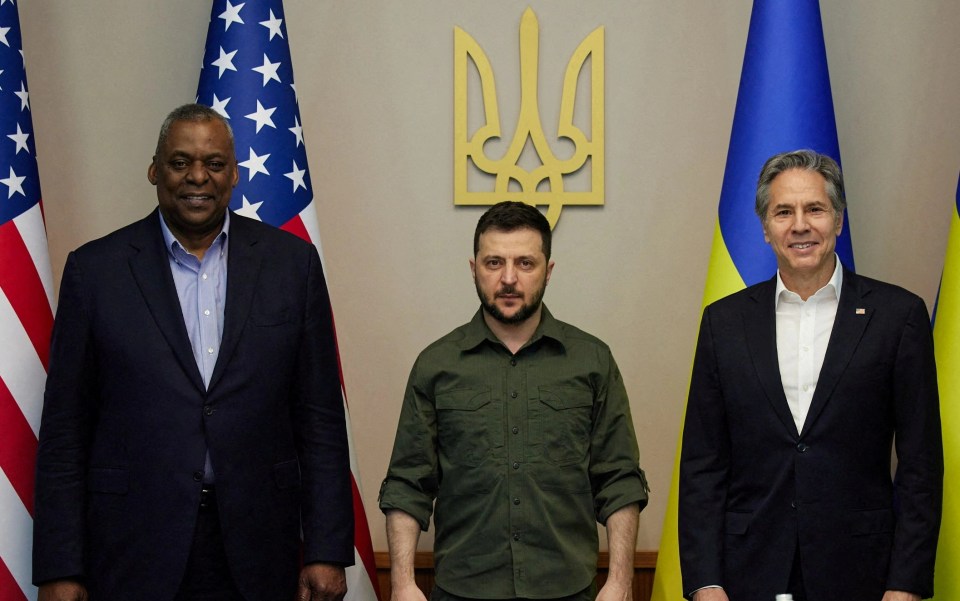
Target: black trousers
(208,577)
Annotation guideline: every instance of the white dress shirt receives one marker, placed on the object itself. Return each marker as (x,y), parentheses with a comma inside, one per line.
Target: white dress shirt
(803,331)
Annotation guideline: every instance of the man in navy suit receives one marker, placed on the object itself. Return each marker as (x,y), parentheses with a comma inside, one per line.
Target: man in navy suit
(800,386)
(193,423)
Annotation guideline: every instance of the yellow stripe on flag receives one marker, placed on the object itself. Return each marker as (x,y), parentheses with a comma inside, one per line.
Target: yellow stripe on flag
(722,279)
(946,335)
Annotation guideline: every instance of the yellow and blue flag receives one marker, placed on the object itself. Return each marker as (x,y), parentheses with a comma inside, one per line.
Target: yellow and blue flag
(784,103)
(946,337)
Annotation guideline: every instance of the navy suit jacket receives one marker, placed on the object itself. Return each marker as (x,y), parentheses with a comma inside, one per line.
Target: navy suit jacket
(753,487)
(127,420)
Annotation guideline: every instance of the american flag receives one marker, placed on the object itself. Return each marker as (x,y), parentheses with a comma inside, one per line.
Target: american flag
(26,312)
(247,77)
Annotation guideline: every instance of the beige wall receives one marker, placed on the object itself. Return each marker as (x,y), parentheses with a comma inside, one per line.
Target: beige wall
(375,86)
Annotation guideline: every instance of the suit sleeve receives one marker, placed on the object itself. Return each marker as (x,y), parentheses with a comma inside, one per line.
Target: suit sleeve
(704,468)
(326,495)
(69,416)
(918,484)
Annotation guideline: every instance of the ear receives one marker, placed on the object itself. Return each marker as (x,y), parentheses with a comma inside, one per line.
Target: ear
(152,171)
(236,174)
(766,236)
(473,268)
(549,270)
(839,227)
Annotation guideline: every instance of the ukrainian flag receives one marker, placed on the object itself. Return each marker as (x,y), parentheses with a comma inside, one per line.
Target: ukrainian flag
(784,103)
(946,336)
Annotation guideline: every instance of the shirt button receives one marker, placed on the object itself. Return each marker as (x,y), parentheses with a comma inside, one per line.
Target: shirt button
(516,536)
(513,394)
(515,430)
(197,476)
(207,410)
(516,465)
(206,311)
(204,276)
(513,362)
(516,501)
(210,350)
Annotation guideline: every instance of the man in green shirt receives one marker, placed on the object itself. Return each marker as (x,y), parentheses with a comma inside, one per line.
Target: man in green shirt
(518,426)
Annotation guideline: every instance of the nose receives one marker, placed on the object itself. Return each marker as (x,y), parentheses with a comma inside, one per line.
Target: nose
(509,274)
(197,173)
(800,221)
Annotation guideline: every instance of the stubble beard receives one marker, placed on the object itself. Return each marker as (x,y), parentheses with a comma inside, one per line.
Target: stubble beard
(525,312)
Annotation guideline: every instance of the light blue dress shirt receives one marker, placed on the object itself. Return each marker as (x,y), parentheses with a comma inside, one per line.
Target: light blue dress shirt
(201,288)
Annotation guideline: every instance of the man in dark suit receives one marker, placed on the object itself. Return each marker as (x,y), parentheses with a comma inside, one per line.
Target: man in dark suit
(800,386)
(193,424)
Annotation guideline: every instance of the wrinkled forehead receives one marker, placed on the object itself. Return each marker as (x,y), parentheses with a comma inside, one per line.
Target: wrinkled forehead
(522,241)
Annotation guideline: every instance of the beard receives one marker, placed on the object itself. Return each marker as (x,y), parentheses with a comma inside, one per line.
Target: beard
(523,313)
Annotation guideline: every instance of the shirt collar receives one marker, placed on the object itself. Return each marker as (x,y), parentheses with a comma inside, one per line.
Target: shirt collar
(477,331)
(170,241)
(833,286)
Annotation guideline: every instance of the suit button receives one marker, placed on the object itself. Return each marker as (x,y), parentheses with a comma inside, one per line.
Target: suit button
(197,476)
(793,504)
(516,536)
(516,465)
(207,410)
(802,448)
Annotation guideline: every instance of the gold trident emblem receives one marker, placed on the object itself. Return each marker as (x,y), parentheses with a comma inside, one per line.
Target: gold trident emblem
(544,184)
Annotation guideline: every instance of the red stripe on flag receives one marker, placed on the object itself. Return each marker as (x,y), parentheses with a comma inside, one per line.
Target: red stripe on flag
(295,226)
(361,537)
(21,284)
(9,589)
(18,448)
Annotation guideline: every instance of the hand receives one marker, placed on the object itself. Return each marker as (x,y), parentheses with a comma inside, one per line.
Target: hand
(62,590)
(900,596)
(711,594)
(321,582)
(615,591)
(410,592)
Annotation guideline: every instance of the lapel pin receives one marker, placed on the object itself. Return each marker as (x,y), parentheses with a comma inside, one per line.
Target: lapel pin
(861,311)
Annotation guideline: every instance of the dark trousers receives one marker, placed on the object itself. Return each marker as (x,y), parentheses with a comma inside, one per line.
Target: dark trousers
(208,576)
(587,594)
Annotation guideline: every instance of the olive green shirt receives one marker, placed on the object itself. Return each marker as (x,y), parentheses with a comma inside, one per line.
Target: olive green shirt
(523,454)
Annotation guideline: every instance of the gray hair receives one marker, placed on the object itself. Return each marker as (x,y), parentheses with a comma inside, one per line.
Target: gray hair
(191,112)
(808,160)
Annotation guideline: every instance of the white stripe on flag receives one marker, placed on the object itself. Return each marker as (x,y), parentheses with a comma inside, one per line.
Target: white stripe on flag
(16,533)
(358,582)
(309,218)
(34,236)
(20,367)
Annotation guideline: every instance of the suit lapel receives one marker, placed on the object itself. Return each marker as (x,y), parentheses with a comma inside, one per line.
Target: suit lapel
(760,321)
(151,270)
(848,328)
(243,269)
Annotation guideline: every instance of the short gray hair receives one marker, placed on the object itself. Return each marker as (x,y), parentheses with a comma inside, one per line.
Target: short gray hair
(191,112)
(807,160)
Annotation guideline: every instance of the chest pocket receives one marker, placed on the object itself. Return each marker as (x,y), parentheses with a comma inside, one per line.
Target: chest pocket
(566,415)
(468,425)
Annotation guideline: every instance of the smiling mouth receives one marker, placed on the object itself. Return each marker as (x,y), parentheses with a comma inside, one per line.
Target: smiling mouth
(802,245)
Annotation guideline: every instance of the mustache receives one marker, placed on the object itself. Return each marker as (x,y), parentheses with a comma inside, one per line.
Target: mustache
(506,290)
